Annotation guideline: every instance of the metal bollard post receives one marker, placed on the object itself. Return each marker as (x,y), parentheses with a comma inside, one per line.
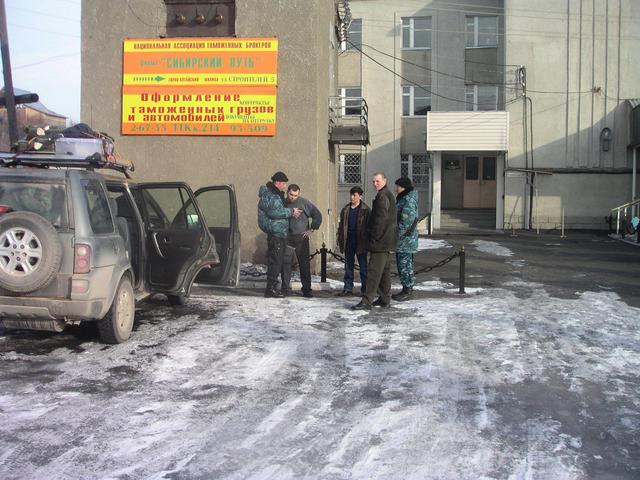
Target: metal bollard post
(462,267)
(323,263)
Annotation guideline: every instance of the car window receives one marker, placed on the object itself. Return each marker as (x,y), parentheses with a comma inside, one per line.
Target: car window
(49,200)
(97,206)
(170,208)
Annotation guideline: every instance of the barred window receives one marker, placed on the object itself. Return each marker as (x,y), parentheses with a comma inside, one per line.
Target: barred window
(350,168)
(416,167)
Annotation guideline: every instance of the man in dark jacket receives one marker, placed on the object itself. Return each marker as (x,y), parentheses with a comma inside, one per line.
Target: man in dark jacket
(352,239)
(273,219)
(383,236)
(299,231)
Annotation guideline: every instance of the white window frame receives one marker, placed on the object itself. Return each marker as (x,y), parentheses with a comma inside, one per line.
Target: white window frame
(471,97)
(344,100)
(341,173)
(412,30)
(412,97)
(344,46)
(476,31)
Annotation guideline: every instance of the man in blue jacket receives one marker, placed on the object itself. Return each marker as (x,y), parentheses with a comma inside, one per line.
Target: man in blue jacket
(273,219)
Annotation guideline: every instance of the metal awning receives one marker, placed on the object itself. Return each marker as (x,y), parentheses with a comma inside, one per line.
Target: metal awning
(484,131)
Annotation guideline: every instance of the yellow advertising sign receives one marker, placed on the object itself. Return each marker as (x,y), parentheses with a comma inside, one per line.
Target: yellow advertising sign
(199,86)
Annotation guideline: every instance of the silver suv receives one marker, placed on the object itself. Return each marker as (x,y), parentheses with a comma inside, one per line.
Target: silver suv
(77,245)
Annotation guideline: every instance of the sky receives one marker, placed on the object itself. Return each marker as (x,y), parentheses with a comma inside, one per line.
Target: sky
(44,45)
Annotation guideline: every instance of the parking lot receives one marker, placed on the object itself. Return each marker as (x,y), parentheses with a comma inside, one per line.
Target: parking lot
(533,373)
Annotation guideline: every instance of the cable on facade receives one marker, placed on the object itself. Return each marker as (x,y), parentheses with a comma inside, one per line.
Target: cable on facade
(437,71)
(416,84)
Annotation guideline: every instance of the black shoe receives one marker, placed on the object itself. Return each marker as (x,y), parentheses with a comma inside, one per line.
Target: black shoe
(396,296)
(404,295)
(286,292)
(363,305)
(380,303)
(345,293)
(273,293)
(307,294)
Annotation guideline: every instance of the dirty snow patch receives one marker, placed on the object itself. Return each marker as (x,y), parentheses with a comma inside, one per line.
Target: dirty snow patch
(493,248)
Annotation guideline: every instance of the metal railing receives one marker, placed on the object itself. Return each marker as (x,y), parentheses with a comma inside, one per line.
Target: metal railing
(348,112)
(621,213)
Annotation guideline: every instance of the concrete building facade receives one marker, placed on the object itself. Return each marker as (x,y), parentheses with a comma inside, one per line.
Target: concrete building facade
(306,31)
(570,66)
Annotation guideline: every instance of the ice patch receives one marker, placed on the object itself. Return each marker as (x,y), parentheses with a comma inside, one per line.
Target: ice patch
(429,244)
(493,248)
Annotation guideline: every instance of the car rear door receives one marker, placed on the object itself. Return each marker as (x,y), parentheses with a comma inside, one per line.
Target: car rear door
(219,207)
(178,241)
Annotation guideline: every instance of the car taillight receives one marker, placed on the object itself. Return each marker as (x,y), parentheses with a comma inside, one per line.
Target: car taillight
(82,258)
(5,209)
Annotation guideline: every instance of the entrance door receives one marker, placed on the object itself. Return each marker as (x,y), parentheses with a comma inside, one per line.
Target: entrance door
(479,182)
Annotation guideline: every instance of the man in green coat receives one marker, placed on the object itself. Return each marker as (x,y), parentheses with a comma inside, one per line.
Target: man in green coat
(273,219)
(407,205)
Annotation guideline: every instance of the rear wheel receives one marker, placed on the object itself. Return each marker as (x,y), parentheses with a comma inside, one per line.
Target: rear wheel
(117,324)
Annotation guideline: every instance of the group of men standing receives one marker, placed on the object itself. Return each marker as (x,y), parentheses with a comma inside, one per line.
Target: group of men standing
(370,235)
(285,220)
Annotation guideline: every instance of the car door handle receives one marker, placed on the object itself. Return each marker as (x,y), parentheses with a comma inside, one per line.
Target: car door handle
(154,236)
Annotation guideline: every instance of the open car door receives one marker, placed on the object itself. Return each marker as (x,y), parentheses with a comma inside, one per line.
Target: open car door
(178,242)
(220,210)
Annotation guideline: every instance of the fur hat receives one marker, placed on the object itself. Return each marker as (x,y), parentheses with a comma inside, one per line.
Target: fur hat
(404,182)
(279,177)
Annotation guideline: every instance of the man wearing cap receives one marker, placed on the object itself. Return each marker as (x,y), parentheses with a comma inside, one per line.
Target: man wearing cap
(407,205)
(273,219)
(383,236)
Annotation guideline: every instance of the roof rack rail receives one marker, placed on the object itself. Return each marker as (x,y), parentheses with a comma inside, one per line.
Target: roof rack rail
(52,159)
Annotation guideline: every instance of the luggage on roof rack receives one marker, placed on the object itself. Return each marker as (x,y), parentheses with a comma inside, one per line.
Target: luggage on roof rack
(51,159)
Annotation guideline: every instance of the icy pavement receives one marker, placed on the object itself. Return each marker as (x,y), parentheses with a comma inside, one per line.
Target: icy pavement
(484,386)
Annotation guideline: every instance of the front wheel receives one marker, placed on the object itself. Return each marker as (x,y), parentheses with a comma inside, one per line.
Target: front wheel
(117,324)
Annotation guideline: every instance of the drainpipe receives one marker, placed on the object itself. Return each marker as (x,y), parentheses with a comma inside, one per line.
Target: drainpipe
(634,178)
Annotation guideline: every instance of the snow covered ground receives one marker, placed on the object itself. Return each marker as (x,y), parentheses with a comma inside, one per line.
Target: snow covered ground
(502,383)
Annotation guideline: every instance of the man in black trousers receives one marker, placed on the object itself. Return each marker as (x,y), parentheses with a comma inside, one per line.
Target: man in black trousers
(383,237)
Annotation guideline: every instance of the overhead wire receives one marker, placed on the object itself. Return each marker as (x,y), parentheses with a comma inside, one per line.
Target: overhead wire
(422,87)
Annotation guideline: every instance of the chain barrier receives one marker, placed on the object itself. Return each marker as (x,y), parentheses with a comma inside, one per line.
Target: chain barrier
(461,254)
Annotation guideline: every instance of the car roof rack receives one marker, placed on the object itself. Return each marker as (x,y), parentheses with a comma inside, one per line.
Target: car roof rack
(52,159)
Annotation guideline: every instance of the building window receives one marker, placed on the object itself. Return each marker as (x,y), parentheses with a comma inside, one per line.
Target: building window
(354,35)
(416,167)
(351,101)
(481,97)
(416,32)
(416,101)
(350,169)
(482,31)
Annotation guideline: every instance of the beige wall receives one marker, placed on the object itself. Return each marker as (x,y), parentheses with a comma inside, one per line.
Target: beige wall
(586,78)
(306,78)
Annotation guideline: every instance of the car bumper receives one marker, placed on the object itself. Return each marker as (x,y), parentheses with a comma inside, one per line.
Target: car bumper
(30,308)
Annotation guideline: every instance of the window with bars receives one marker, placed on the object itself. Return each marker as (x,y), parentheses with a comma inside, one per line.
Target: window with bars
(416,167)
(350,169)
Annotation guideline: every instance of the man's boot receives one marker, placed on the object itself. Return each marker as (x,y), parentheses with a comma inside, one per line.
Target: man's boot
(273,292)
(405,294)
(396,296)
